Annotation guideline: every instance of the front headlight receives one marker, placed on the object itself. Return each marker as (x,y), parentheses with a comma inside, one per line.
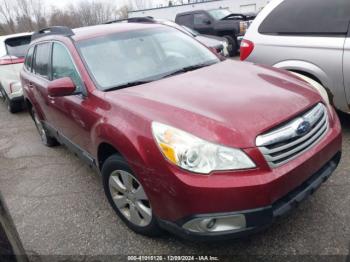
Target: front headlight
(195,154)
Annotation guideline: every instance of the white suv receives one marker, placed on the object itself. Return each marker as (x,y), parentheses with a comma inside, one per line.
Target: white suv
(12,52)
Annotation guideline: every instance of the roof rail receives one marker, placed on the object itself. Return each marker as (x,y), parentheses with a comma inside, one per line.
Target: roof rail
(54,30)
(142,19)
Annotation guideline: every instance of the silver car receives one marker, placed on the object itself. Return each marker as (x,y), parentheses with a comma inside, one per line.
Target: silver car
(12,51)
(310,38)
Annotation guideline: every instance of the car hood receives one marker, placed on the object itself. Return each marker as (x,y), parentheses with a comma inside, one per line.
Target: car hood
(229,103)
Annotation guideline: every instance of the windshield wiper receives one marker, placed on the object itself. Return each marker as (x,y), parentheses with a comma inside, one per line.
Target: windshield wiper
(129,84)
(141,82)
(188,68)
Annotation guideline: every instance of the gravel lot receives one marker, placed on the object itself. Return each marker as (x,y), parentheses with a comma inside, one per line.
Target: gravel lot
(59,207)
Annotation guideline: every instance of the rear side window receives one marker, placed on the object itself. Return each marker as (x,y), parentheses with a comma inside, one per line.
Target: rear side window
(41,60)
(17,46)
(314,17)
(29,59)
(184,20)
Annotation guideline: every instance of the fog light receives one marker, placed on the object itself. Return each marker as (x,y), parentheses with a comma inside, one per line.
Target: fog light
(216,224)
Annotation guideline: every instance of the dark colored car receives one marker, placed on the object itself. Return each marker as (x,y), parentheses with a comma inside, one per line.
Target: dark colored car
(11,249)
(179,145)
(219,22)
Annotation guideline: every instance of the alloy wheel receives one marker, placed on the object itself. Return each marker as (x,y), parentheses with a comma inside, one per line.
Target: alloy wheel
(129,197)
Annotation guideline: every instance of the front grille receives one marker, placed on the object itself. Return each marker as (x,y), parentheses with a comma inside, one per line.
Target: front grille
(287,142)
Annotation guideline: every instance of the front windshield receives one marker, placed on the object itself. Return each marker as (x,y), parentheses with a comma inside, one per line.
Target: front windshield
(219,13)
(141,55)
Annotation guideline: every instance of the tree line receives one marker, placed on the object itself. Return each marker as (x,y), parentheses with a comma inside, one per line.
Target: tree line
(18,16)
(31,15)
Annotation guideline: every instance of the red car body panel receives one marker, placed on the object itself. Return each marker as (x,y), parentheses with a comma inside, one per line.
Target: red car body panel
(229,103)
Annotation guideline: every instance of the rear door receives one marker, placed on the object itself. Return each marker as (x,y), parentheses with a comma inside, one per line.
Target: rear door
(40,79)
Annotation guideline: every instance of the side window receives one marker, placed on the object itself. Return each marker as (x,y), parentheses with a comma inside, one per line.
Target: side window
(311,17)
(63,66)
(41,60)
(29,59)
(184,20)
(200,19)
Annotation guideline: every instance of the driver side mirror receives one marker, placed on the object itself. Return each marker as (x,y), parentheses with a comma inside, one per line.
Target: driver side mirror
(61,87)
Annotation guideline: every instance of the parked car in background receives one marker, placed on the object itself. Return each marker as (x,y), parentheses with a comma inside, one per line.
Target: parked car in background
(219,22)
(12,51)
(11,249)
(311,38)
(179,145)
(219,44)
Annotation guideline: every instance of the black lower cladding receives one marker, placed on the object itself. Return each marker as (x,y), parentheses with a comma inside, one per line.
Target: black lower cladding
(258,219)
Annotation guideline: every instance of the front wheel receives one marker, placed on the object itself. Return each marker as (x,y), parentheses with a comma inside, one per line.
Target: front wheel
(128,198)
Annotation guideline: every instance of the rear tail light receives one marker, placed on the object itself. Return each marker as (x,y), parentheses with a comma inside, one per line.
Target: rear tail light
(247,48)
(9,60)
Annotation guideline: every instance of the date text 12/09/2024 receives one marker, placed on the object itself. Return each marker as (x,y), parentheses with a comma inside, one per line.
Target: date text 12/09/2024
(173,258)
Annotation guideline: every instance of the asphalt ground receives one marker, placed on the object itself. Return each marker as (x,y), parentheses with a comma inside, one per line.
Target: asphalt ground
(59,208)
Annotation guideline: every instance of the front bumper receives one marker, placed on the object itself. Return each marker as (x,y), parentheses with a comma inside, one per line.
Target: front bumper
(261,218)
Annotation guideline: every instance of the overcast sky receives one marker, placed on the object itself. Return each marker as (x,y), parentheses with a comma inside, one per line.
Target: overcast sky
(62,3)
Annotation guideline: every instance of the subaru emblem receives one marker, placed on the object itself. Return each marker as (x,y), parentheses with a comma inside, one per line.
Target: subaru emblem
(303,128)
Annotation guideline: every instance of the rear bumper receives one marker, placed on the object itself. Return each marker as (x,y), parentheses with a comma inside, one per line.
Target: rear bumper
(261,218)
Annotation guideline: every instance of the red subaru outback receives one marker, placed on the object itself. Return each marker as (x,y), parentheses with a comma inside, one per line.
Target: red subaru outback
(185,142)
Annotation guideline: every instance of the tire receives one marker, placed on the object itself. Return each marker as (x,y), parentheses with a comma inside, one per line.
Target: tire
(46,139)
(13,107)
(126,196)
(233,50)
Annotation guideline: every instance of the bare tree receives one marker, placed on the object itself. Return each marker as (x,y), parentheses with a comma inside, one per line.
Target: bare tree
(123,12)
(7,13)
(24,16)
(140,4)
(31,15)
(38,10)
